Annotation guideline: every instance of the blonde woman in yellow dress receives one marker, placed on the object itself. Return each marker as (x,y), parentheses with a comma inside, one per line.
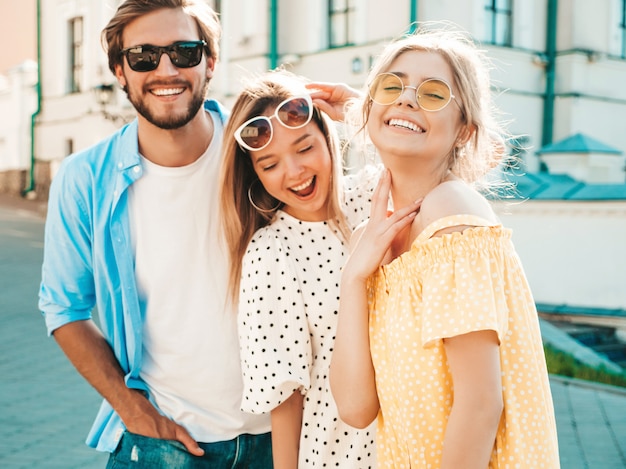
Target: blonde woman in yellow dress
(438,334)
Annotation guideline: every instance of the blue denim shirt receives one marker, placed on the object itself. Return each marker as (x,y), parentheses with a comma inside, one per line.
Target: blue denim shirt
(88,257)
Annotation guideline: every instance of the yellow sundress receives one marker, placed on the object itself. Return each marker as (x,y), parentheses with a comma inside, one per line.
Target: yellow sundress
(443,287)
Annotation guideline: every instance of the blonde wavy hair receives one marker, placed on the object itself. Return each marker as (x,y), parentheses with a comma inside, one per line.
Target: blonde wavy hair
(470,67)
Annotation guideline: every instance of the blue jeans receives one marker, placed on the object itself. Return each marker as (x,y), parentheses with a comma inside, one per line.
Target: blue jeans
(244,452)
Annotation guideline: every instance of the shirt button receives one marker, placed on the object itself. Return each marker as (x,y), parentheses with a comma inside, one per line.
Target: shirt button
(136,169)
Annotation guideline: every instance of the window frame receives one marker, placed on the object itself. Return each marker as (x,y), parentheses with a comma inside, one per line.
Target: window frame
(76,34)
(499,19)
(344,15)
(622,30)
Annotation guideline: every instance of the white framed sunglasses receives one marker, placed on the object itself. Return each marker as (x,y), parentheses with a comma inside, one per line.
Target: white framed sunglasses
(257,132)
(431,95)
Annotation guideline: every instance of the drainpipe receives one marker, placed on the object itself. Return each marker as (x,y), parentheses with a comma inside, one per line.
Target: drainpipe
(413,18)
(548,104)
(273,52)
(33,117)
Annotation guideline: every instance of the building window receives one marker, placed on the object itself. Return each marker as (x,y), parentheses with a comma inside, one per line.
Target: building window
(341,17)
(617,15)
(69,146)
(622,29)
(217,6)
(75,66)
(499,22)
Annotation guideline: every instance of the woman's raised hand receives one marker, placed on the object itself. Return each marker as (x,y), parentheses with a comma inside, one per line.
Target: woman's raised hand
(375,239)
(332,98)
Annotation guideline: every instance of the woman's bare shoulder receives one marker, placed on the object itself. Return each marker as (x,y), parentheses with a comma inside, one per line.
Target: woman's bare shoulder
(455,198)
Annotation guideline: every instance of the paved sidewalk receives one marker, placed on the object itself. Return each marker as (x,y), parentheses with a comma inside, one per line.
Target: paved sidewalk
(46,408)
(591,424)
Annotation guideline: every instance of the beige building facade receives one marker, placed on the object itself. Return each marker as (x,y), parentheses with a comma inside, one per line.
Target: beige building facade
(18,78)
(558,64)
(559,71)
(18,33)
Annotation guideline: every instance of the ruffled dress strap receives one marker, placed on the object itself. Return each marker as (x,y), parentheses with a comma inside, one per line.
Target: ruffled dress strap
(452,220)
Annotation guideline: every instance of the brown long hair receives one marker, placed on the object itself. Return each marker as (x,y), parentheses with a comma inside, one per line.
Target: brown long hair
(206,19)
(240,220)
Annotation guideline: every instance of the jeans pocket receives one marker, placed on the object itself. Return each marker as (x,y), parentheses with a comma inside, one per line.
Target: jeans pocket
(139,452)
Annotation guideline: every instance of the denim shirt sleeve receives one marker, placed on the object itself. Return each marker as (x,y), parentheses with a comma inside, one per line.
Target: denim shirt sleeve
(88,259)
(67,290)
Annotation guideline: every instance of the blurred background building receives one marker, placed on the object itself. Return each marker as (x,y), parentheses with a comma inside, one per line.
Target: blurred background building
(560,66)
(18,79)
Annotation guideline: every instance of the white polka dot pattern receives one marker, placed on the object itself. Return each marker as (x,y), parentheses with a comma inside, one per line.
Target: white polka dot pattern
(443,287)
(288,306)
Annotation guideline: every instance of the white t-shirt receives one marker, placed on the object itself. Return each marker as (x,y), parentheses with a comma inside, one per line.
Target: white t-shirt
(190,349)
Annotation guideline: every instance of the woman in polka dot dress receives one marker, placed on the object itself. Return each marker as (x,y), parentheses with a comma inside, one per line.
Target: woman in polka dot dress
(438,333)
(288,212)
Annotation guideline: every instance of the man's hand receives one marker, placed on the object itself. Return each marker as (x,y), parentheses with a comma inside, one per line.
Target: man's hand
(90,353)
(142,418)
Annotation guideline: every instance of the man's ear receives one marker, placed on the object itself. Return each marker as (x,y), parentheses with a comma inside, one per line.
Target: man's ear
(210,67)
(119,74)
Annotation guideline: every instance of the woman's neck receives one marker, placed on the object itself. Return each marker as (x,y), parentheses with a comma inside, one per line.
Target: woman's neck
(410,182)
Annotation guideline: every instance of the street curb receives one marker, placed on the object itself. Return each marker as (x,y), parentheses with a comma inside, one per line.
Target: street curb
(35,207)
(589,384)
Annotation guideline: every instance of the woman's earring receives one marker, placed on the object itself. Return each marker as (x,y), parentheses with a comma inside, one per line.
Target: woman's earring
(262,210)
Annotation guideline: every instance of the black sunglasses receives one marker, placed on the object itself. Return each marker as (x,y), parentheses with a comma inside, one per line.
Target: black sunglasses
(146,57)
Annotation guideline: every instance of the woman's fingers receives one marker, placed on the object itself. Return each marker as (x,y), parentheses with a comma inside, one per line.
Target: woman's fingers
(380,197)
(381,229)
(332,97)
(404,211)
(388,228)
(380,201)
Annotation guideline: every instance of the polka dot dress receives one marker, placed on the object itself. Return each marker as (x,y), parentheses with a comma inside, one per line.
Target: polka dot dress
(458,283)
(357,191)
(288,306)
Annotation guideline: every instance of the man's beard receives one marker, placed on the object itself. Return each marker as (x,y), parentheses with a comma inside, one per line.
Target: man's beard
(171,121)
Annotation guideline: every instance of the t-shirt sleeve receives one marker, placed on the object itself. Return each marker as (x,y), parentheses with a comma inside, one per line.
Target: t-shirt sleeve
(273,330)
(357,191)
(463,290)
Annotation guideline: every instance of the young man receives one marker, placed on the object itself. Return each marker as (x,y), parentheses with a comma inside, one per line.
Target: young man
(133,230)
